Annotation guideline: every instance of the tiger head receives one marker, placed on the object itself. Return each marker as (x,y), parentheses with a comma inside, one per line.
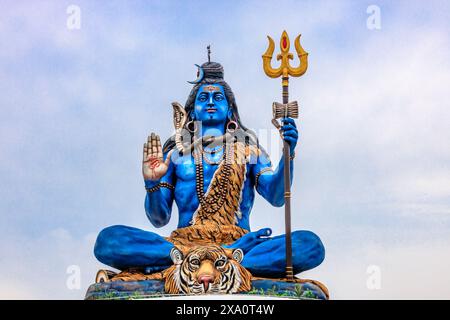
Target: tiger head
(207,270)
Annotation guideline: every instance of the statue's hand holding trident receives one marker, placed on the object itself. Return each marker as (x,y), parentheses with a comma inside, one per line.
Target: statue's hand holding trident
(286,111)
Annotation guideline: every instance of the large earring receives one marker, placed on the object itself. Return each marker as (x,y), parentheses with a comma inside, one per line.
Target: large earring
(191,126)
(232,126)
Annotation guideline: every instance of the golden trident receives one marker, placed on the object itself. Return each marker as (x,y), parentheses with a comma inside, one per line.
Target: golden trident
(282,111)
(285,69)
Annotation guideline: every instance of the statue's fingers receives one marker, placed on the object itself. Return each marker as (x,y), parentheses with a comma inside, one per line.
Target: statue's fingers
(289,121)
(264,232)
(154,146)
(290,133)
(149,145)
(288,127)
(169,155)
(158,147)
(144,152)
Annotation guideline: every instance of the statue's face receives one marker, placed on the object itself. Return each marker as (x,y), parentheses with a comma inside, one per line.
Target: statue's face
(211,106)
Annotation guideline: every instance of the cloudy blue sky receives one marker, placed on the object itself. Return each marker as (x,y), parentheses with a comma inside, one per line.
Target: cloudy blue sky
(372,174)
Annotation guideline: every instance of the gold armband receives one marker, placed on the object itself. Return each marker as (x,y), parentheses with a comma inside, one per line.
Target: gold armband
(266,169)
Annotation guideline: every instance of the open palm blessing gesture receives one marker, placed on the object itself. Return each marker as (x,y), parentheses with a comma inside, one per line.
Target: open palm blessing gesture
(153,165)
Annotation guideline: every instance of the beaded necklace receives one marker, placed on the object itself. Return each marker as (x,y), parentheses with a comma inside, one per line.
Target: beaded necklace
(211,162)
(214,202)
(212,151)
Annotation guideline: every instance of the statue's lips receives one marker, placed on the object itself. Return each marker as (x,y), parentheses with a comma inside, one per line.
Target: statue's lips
(211,110)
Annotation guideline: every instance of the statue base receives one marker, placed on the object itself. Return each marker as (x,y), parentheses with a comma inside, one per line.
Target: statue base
(262,288)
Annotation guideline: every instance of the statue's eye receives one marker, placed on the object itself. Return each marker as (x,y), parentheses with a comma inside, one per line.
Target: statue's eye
(220,263)
(218,97)
(195,262)
(203,97)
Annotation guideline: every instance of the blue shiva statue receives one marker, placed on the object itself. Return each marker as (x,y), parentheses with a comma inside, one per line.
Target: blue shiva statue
(198,167)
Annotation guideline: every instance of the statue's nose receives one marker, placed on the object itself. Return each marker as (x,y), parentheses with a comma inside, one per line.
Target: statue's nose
(205,280)
(210,101)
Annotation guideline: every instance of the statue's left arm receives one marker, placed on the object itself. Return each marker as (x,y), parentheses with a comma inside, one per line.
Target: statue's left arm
(269,182)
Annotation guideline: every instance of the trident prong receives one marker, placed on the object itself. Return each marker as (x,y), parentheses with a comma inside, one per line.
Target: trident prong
(285,69)
(267,58)
(302,56)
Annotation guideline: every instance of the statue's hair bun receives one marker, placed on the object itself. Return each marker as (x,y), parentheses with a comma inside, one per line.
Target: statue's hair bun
(213,70)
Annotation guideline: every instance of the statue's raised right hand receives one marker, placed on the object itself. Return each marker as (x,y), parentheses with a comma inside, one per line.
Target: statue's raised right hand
(153,165)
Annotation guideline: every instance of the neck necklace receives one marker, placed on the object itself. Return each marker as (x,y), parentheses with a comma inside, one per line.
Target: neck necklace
(211,162)
(214,201)
(212,151)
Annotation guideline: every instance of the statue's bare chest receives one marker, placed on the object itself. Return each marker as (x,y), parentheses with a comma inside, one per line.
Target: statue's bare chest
(186,171)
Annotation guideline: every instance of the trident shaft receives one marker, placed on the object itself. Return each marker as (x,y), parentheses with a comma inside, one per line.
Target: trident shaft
(288,110)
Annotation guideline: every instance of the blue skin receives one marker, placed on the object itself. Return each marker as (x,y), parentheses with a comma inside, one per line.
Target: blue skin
(124,247)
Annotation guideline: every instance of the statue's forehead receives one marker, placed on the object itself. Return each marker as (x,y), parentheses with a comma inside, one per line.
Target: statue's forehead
(211,88)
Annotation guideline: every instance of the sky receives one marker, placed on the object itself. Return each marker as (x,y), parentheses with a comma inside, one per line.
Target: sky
(372,172)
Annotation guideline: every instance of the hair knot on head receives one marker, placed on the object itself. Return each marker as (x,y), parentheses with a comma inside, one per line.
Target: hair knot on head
(213,71)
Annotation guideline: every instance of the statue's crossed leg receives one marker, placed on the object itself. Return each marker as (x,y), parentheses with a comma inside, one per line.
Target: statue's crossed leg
(125,247)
